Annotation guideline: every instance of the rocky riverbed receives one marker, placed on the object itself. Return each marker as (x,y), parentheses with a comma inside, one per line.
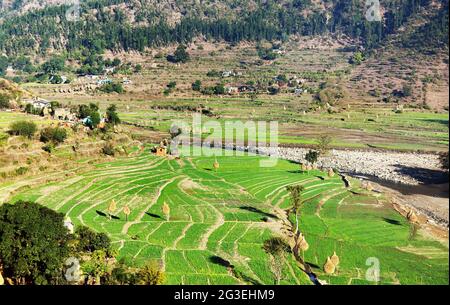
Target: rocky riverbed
(405,168)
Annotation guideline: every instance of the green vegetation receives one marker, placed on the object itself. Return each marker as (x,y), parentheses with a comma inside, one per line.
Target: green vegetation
(222,218)
(46,240)
(23,128)
(55,135)
(269,21)
(4,101)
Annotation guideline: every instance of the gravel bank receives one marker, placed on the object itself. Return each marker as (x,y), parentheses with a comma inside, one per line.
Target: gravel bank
(406,168)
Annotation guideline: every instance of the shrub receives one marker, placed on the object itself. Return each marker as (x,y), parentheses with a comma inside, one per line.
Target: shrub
(4,101)
(46,240)
(90,241)
(21,171)
(312,156)
(108,149)
(55,135)
(48,148)
(112,116)
(197,85)
(324,143)
(150,274)
(23,128)
(112,87)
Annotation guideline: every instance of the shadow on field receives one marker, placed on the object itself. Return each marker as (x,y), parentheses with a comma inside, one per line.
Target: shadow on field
(103,214)
(440,121)
(224,263)
(100,213)
(258,211)
(153,215)
(220,261)
(392,221)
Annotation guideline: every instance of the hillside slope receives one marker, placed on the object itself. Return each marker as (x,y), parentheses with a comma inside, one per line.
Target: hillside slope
(137,24)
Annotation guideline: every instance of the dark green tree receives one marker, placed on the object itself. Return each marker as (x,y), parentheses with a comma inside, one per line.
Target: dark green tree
(33,244)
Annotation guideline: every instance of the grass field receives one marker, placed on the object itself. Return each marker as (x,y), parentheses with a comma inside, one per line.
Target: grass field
(220,217)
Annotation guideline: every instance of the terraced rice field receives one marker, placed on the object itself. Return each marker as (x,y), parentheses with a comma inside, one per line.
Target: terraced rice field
(219,218)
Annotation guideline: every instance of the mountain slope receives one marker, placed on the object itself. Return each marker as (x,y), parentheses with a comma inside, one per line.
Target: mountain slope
(137,24)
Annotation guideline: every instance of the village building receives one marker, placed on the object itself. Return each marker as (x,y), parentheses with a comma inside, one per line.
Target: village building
(64,114)
(226,74)
(38,103)
(104,81)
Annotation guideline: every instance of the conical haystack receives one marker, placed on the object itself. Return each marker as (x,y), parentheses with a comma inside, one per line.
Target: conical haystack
(412,217)
(335,259)
(331,173)
(329,267)
(216,165)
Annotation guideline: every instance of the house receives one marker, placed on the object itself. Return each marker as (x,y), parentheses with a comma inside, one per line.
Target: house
(231,89)
(38,103)
(104,81)
(247,89)
(226,74)
(299,91)
(126,81)
(64,114)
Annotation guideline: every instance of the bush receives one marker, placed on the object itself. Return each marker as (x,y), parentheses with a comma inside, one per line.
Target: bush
(46,239)
(48,148)
(108,149)
(55,135)
(21,171)
(90,241)
(4,101)
(150,274)
(312,156)
(23,128)
(112,87)
(197,85)
(111,115)
(180,55)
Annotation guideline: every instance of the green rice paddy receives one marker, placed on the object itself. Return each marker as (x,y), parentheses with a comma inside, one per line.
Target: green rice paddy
(220,218)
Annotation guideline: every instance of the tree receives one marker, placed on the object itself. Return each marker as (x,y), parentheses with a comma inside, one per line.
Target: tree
(55,135)
(277,248)
(407,90)
(312,156)
(323,143)
(4,101)
(150,274)
(296,193)
(357,58)
(180,55)
(111,115)
(197,85)
(3,65)
(219,89)
(166,211)
(33,244)
(127,212)
(96,267)
(23,128)
(172,85)
(90,241)
(53,65)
